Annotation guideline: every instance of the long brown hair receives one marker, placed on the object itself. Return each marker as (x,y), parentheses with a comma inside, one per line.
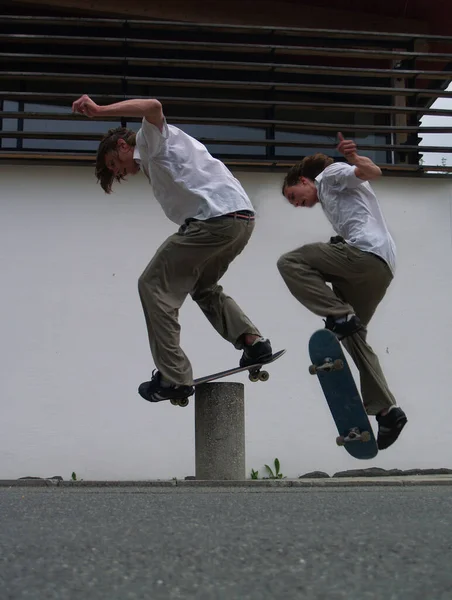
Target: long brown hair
(108,143)
(309,167)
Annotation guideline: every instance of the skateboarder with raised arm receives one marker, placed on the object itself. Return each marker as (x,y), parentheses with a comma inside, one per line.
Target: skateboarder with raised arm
(215,219)
(359,263)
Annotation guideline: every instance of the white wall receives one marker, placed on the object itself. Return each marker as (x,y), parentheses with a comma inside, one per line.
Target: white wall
(73,344)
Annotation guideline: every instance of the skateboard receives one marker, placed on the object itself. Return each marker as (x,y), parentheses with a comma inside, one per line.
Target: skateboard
(255,374)
(338,385)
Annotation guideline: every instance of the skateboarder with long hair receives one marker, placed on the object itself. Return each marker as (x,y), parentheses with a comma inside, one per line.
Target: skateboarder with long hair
(215,219)
(359,263)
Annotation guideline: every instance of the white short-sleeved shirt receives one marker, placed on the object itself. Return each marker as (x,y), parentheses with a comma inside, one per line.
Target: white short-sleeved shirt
(353,210)
(186,180)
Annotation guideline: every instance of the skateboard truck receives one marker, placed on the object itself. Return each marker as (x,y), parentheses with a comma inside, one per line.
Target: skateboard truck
(328,365)
(179,401)
(354,435)
(258,375)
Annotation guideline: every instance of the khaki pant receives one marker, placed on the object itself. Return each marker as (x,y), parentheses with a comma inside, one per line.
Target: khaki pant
(359,282)
(191,262)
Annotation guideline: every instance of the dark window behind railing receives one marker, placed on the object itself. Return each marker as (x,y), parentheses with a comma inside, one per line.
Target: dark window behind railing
(258,97)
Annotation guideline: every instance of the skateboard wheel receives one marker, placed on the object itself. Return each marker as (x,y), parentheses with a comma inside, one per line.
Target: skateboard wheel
(338,364)
(365,436)
(174,402)
(253,377)
(312,369)
(183,402)
(264,375)
(340,440)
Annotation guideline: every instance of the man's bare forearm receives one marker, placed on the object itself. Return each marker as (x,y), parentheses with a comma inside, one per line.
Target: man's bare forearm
(132,108)
(150,109)
(365,168)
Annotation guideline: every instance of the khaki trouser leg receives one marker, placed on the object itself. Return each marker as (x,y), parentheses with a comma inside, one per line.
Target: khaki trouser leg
(191,262)
(221,310)
(359,282)
(306,271)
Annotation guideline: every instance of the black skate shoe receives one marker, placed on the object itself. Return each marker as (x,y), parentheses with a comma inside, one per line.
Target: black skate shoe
(260,351)
(156,391)
(390,426)
(343,326)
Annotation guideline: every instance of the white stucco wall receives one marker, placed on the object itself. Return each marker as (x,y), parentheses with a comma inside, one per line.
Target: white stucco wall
(73,344)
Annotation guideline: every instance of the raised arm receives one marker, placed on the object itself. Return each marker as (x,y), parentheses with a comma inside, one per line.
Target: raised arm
(150,109)
(365,168)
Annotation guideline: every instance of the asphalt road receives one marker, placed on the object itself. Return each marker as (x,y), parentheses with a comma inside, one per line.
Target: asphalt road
(231,544)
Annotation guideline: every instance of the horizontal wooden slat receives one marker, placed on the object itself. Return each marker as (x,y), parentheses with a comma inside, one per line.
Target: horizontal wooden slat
(70,136)
(384,167)
(62,21)
(256,29)
(237,102)
(276,49)
(296,125)
(66,40)
(55,157)
(220,84)
(227,65)
(326,146)
(264,123)
(284,163)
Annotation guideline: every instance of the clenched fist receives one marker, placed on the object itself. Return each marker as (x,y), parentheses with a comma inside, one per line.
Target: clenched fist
(85,106)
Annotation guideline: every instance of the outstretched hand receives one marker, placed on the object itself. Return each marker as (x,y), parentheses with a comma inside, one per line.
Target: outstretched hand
(346,147)
(85,106)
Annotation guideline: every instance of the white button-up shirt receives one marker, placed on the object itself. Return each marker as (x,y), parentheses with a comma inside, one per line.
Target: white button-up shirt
(186,180)
(352,208)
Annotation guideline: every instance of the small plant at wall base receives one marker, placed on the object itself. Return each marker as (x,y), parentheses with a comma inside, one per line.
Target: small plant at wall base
(254,474)
(272,474)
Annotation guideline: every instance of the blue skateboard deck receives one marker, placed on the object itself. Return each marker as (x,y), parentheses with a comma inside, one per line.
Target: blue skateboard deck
(341,393)
(255,374)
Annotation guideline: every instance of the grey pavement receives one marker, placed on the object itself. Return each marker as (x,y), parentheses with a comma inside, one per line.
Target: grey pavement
(250,543)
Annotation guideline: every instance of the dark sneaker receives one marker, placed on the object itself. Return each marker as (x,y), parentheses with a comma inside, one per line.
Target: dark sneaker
(390,427)
(155,391)
(343,326)
(260,351)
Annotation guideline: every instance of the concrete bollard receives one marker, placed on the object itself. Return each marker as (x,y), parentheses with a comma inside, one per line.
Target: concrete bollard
(220,431)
